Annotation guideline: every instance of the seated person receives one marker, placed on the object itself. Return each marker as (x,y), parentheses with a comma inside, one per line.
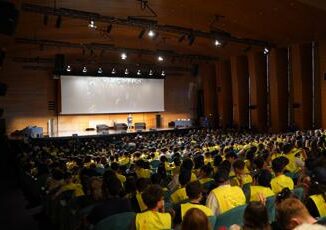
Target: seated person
(225,196)
(154,217)
(141,185)
(113,204)
(280,180)
(241,174)
(204,174)
(292,213)
(180,194)
(195,219)
(70,184)
(115,168)
(194,192)
(261,185)
(316,203)
(141,170)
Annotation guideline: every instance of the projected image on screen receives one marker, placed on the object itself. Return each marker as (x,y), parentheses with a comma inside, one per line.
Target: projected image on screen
(90,95)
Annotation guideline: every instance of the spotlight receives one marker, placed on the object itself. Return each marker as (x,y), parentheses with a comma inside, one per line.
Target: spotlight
(217,43)
(84,69)
(126,72)
(151,33)
(99,71)
(138,72)
(141,34)
(182,37)
(163,73)
(191,39)
(160,58)
(92,24)
(266,51)
(123,56)
(109,28)
(68,68)
(58,22)
(150,72)
(113,71)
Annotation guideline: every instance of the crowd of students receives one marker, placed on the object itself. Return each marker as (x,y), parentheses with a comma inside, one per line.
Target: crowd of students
(180,180)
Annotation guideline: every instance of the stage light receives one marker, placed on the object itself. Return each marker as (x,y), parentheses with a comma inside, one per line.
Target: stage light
(84,69)
(109,28)
(141,34)
(160,58)
(92,24)
(150,72)
(217,43)
(68,68)
(58,22)
(138,72)
(163,73)
(151,33)
(266,51)
(123,56)
(113,71)
(126,72)
(99,71)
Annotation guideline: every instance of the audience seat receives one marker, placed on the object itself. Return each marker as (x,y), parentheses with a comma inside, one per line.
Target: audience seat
(233,216)
(121,221)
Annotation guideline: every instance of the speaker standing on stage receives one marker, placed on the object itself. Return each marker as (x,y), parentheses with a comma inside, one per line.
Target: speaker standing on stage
(129,121)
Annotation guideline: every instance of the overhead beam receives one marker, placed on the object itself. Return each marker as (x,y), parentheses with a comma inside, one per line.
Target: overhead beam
(110,47)
(141,23)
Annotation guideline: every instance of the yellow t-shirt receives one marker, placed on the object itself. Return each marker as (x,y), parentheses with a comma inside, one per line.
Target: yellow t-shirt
(229,197)
(256,189)
(151,220)
(143,173)
(280,182)
(320,204)
(140,201)
(185,207)
(122,178)
(78,189)
(179,195)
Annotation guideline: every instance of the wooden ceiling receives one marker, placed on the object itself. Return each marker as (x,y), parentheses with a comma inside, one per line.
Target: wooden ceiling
(281,22)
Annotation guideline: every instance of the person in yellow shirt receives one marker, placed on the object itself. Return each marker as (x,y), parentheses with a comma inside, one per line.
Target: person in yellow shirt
(225,196)
(194,192)
(180,194)
(141,185)
(261,185)
(280,181)
(70,184)
(154,218)
(316,203)
(115,168)
(242,176)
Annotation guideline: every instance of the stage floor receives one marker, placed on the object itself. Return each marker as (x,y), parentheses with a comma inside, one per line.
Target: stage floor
(62,134)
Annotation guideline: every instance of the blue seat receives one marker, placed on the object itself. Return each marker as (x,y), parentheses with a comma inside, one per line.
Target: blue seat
(270,206)
(233,216)
(155,163)
(212,221)
(121,221)
(299,192)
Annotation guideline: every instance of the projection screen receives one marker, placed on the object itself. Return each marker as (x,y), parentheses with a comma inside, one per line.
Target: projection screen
(94,95)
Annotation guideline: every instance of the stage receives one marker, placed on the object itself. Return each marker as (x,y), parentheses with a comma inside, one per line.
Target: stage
(111,132)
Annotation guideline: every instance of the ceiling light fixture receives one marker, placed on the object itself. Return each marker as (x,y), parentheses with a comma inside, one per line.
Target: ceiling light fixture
(266,51)
(100,70)
(84,69)
(92,24)
(68,68)
(113,70)
(138,72)
(163,73)
(151,33)
(160,58)
(123,56)
(126,72)
(150,72)
(217,43)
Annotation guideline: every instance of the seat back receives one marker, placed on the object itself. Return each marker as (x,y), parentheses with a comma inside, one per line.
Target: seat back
(121,221)
(212,221)
(270,206)
(233,216)
(299,192)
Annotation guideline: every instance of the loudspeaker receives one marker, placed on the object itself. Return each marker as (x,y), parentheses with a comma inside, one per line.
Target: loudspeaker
(2,126)
(59,64)
(8,18)
(3,89)
(158,121)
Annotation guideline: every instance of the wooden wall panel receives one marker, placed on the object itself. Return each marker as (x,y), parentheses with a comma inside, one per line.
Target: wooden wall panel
(208,79)
(29,91)
(322,79)
(240,90)
(224,92)
(302,85)
(278,80)
(258,90)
